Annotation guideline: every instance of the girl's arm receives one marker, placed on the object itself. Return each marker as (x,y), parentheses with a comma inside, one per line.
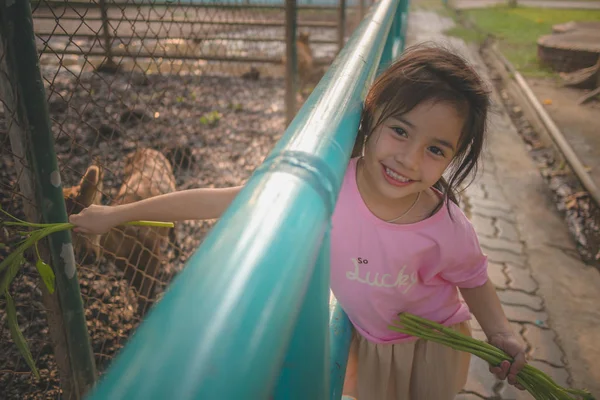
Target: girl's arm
(485,306)
(189,204)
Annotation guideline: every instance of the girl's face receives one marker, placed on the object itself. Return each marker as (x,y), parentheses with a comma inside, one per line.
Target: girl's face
(409,153)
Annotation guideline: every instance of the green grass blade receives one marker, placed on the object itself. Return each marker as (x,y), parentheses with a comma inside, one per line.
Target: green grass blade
(469,341)
(17,336)
(12,216)
(21,248)
(10,274)
(151,223)
(46,273)
(485,353)
(9,260)
(536,382)
(25,224)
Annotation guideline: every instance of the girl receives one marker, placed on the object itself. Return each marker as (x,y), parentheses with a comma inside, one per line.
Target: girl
(399,241)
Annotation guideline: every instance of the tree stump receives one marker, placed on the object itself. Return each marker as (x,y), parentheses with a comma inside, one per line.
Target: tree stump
(575,25)
(586,78)
(572,46)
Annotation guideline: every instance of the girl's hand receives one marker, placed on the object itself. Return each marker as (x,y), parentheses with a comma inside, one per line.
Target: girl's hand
(95,220)
(514,347)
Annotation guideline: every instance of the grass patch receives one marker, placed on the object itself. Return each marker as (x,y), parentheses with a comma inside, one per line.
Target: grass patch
(431,5)
(517,30)
(468,35)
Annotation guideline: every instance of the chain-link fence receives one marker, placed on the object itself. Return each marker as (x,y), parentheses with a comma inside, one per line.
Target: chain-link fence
(226,38)
(143,98)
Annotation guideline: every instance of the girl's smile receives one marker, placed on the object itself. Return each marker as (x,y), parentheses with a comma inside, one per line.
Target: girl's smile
(395,178)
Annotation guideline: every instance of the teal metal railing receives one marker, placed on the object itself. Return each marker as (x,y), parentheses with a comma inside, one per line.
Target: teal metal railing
(248,317)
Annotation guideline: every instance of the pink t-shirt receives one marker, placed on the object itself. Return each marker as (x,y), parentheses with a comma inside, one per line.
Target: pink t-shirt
(379,269)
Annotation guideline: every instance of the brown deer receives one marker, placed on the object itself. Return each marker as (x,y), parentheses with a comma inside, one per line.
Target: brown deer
(306,62)
(138,251)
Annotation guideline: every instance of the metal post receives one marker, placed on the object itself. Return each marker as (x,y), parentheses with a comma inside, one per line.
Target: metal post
(32,113)
(18,144)
(387,54)
(341,25)
(109,64)
(340,335)
(361,9)
(291,65)
(404,6)
(305,372)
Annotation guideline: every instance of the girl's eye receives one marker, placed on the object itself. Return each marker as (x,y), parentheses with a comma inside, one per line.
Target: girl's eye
(399,131)
(437,151)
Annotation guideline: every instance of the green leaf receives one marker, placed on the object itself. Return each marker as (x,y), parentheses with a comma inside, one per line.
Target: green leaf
(46,273)
(17,336)
(17,254)
(12,271)
(155,224)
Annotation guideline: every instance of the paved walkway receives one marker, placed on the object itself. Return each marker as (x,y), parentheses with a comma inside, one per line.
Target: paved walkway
(549,296)
(576,5)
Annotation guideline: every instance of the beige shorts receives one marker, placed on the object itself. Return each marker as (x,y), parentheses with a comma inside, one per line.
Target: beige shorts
(416,370)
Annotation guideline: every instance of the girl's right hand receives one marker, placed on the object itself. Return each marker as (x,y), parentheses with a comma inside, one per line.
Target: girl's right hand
(95,220)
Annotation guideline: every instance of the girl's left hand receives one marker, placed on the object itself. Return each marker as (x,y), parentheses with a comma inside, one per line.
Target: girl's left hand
(514,347)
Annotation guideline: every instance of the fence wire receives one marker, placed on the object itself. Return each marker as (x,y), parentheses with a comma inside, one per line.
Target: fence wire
(15,378)
(172,37)
(144,98)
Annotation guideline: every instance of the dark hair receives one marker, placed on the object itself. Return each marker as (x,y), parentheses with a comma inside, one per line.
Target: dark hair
(431,73)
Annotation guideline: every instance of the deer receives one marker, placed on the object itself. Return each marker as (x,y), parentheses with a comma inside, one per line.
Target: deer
(137,251)
(306,62)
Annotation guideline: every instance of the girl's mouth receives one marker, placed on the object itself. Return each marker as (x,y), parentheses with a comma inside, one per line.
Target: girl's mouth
(395,178)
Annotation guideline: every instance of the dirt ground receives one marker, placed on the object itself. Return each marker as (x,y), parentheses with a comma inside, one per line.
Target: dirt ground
(225,153)
(580,124)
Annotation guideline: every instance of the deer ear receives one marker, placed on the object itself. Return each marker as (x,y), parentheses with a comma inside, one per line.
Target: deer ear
(90,187)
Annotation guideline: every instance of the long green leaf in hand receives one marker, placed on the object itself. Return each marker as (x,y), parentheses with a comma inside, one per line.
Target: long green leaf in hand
(10,266)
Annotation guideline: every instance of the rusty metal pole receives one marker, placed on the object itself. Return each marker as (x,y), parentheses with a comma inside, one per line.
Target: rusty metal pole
(361,9)
(29,101)
(109,64)
(341,25)
(291,56)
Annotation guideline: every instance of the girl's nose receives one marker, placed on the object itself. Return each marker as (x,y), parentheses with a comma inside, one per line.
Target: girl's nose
(410,158)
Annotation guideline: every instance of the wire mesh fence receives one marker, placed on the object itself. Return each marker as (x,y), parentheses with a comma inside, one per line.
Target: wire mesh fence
(28,304)
(172,37)
(144,98)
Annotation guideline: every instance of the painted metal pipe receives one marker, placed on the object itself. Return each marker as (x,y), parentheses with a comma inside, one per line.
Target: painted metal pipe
(341,24)
(224,325)
(340,335)
(291,64)
(305,372)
